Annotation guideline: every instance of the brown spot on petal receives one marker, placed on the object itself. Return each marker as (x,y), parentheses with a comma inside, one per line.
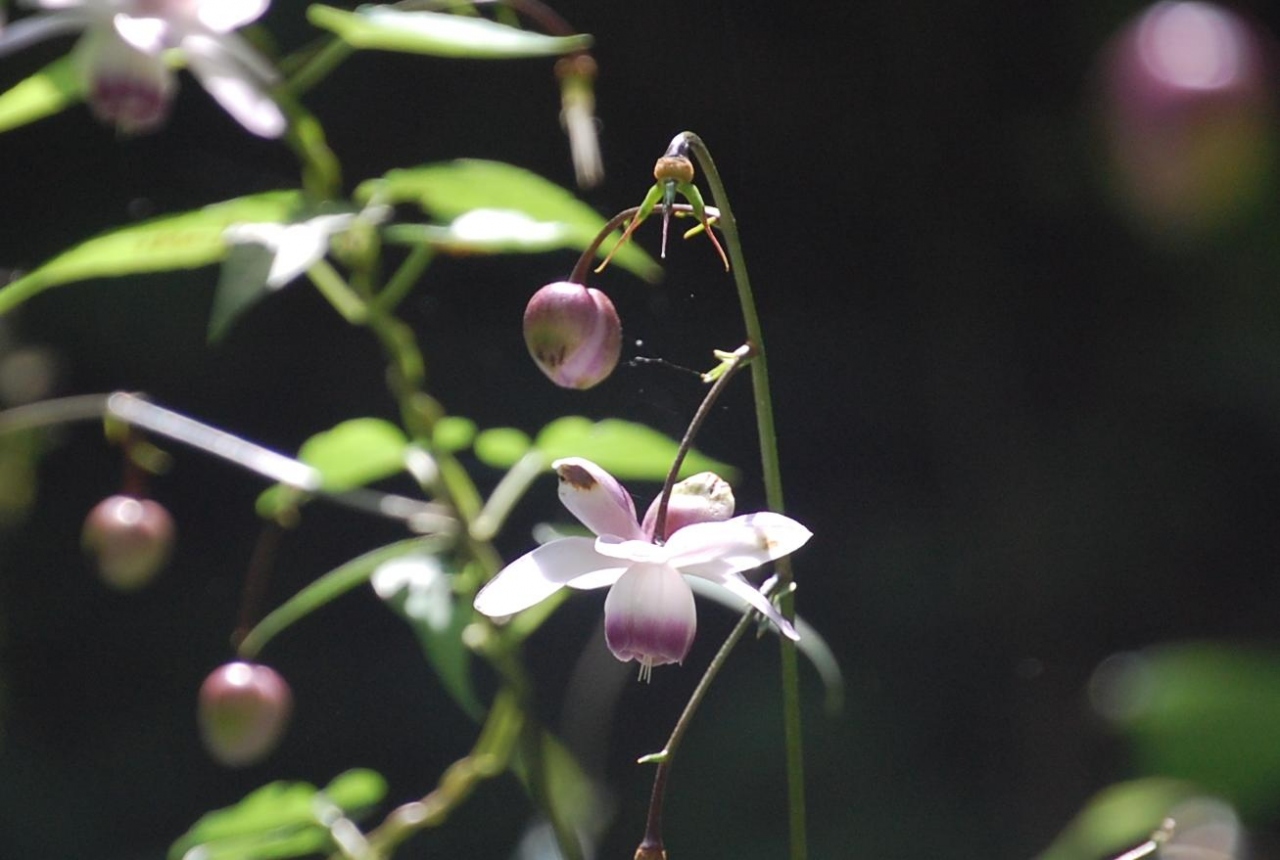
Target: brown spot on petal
(577,476)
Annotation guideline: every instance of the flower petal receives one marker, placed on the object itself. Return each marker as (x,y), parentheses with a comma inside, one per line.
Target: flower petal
(37,28)
(233,87)
(597,499)
(715,550)
(735,584)
(649,616)
(147,34)
(704,497)
(223,16)
(635,551)
(537,575)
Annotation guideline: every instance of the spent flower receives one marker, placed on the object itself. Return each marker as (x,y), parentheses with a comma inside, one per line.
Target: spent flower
(126,79)
(649,610)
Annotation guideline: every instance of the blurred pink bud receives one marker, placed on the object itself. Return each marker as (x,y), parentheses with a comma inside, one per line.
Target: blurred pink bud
(243,711)
(130,539)
(573,333)
(1188,116)
(125,87)
(702,498)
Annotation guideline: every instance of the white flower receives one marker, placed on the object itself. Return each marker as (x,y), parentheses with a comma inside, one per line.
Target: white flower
(649,611)
(297,246)
(121,56)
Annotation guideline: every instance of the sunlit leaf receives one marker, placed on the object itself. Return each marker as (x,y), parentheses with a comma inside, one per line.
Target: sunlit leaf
(623,448)
(1117,818)
(279,819)
(1206,713)
(352,454)
(453,433)
(418,588)
(517,208)
(326,589)
(384,28)
(52,89)
(502,447)
(184,241)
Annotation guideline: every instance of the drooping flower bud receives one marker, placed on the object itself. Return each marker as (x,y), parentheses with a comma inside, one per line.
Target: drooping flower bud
(243,710)
(130,539)
(1189,117)
(126,88)
(573,333)
(650,617)
(702,498)
(577,74)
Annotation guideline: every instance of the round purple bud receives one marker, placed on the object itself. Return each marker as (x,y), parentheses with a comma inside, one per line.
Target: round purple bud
(243,711)
(130,539)
(650,617)
(1188,115)
(573,334)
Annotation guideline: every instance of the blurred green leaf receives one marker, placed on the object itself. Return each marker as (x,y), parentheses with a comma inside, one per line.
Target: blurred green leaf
(351,454)
(185,241)
(515,207)
(624,449)
(279,820)
(326,589)
(417,587)
(52,89)
(1206,713)
(502,447)
(439,34)
(453,433)
(1117,818)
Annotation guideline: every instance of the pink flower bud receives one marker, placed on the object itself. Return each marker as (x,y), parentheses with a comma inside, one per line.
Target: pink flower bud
(130,539)
(702,498)
(650,617)
(1188,115)
(573,333)
(243,710)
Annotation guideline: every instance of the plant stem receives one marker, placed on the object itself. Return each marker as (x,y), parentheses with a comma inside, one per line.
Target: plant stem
(652,841)
(772,473)
(740,355)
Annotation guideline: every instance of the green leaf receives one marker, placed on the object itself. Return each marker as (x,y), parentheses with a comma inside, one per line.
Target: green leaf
(1206,713)
(325,590)
(1117,818)
(502,447)
(417,587)
(514,203)
(279,819)
(383,28)
(352,454)
(184,241)
(52,89)
(624,449)
(453,433)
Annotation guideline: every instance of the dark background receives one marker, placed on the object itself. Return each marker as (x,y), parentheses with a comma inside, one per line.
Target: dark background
(1027,430)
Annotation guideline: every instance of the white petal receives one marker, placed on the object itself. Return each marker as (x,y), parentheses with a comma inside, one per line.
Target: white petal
(635,551)
(738,586)
(596,498)
(537,575)
(715,550)
(148,35)
(233,88)
(37,28)
(238,50)
(223,16)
